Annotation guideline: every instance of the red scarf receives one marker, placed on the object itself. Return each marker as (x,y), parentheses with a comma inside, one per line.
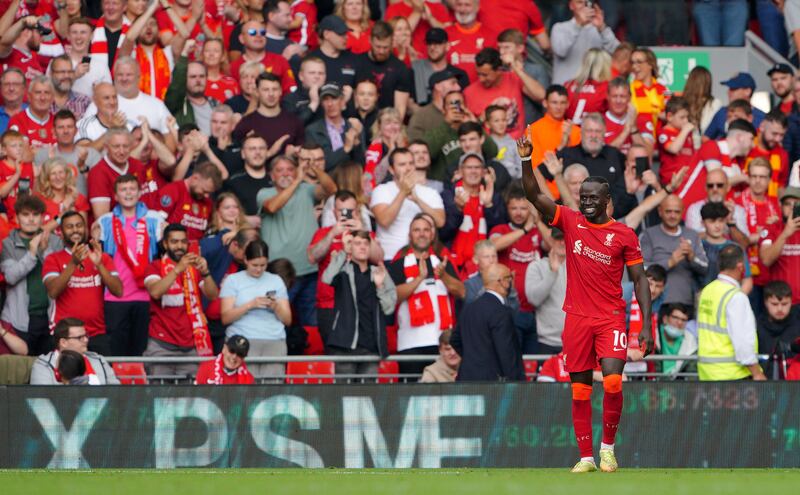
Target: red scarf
(191,298)
(139,261)
(99,42)
(751,213)
(160,69)
(420,305)
(93,379)
(373,158)
(472,230)
(241,377)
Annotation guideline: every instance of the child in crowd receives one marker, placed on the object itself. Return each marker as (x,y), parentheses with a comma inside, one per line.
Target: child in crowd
(16,175)
(496,118)
(715,217)
(675,143)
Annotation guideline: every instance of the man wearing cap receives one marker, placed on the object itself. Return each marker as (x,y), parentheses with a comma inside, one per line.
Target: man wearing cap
(340,138)
(389,73)
(780,249)
(228,367)
(781,77)
(740,87)
(340,67)
(436,46)
(467,37)
(431,116)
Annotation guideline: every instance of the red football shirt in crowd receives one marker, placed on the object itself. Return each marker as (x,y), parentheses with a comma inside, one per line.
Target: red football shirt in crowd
(26,176)
(499,15)
(778,160)
(100,180)
(306,34)
(518,256)
(274,64)
(507,94)
(554,370)
(439,12)
(169,321)
(713,154)
(83,297)
(464,45)
(214,373)
(37,132)
(359,43)
(54,208)
(787,266)
(615,126)
(596,256)
(672,162)
(176,201)
(222,89)
(31,64)
(757,213)
(589,98)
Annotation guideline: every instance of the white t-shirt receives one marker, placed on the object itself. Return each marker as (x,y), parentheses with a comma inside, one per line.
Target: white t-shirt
(396,236)
(98,72)
(145,105)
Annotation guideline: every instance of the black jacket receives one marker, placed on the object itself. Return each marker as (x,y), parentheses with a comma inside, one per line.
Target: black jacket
(486,339)
(778,339)
(318,133)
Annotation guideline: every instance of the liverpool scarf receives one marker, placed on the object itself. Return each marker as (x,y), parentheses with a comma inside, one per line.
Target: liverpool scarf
(156,77)
(420,303)
(190,288)
(99,44)
(137,261)
(241,375)
(472,230)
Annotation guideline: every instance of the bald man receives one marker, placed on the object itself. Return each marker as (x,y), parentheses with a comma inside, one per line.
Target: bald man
(485,336)
(717,188)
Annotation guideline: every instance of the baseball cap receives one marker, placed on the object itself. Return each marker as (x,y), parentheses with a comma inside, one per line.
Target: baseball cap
(238,345)
(442,75)
(333,23)
(330,89)
(465,156)
(740,80)
(557,233)
(436,36)
(790,192)
(782,68)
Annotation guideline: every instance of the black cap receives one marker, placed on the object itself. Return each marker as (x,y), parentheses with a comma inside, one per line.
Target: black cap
(442,75)
(782,68)
(238,345)
(333,23)
(330,89)
(436,36)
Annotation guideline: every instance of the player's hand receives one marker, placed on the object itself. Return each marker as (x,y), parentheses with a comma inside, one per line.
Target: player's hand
(635,355)
(524,147)
(646,343)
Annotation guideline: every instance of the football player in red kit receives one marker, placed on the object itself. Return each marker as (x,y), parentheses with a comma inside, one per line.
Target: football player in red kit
(598,247)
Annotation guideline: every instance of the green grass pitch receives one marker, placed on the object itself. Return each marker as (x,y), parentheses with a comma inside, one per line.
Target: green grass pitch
(415,481)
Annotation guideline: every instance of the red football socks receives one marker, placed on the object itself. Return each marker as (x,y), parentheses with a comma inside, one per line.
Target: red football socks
(612,407)
(582,417)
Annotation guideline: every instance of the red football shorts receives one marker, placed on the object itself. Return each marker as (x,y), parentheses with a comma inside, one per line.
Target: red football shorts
(586,340)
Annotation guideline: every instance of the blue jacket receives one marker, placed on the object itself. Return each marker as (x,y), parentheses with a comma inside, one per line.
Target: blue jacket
(152,219)
(716,129)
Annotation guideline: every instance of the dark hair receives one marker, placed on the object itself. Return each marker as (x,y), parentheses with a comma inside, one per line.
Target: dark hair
(492,109)
(242,237)
(741,104)
(344,195)
(186,129)
(29,202)
(267,76)
(381,30)
(271,6)
(253,135)
(70,214)
(256,249)
(713,210)
(596,179)
(310,146)
(470,127)
(557,89)
(173,227)
(777,117)
(61,330)
(362,234)
(514,190)
(208,170)
(71,365)
(421,142)
(741,125)
(64,114)
(619,82)
(489,56)
(444,337)
(668,308)
(124,179)
(656,272)
(777,288)
(676,104)
(284,269)
(730,256)
(281,158)
(398,151)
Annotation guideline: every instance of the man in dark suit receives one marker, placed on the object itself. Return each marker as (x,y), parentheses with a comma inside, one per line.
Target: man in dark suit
(485,336)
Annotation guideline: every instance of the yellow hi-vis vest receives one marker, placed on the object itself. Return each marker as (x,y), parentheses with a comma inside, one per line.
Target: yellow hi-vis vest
(715,353)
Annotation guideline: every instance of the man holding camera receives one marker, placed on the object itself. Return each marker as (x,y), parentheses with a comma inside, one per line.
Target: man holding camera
(20,43)
(75,278)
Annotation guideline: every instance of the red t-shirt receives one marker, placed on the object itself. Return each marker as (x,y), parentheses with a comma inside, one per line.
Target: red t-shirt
(589,98)
(175,200)
(31,65)
(83,297)
(325,293)
(306,34)
(224,88)
(711,154)
(169,321)
(787,266)
(555,369)
(465,44)
(518,256)
(757,213)
(359,43)
(615,126)
(507,94)
(437,9)
(207,375)
(671,163)
(596,256)
(212,20)
(499,15)
(152,180)
(100,181)
(274,64)
(54,208)
(37,133)
(778,160)
(6,171)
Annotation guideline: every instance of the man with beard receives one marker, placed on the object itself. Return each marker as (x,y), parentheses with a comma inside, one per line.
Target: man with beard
(717,190)
(186,96)
(436,42)
(75,278)
(780,78)
(246,184)
(278,18)
(87,73)
(19,47)
(116,161)
(254,40)
(768,146)
(779,249)
(63,75)
(178,326)
(35,123)
(389,73)
(467,37)
(188,202)
(431,116)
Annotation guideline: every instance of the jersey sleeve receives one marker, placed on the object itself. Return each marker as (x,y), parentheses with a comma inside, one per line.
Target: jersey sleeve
(99,189)
(535,24)
(632,251)
(153,271)
(561,218)
(51,267)
(665,138)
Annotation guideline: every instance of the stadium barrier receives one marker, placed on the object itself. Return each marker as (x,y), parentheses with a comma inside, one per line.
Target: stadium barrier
(679,424)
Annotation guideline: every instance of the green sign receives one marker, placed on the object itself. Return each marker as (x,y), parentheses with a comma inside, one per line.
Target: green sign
(674,66)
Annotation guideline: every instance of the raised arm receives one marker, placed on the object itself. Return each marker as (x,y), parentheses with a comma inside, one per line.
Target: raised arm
(530,182)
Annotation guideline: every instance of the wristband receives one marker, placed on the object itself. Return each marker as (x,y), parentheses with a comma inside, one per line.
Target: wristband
(666,188)
(526,159)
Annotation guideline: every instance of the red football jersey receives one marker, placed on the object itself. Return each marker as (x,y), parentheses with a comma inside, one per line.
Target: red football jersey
(224,88)
(499,15)
(54,209)
(518,256)
(554,370)
(507,94)
(757,213)
(169,321)
(306,34)
(83,297)
(787,266)
(26,174)
(615,126)
(712,154)
(207,374)
(274,64)
(671,163)
(37,132)
(151,180)
(439,12)
(464,45)
(596,256)
(589,98)
(31,65)
(100,181)
(778,159)
(175,200)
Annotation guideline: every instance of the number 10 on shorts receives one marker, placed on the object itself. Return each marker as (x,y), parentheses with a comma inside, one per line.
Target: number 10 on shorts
(620,340)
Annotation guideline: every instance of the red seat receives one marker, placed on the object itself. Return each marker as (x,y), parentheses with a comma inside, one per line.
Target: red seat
(391,338)
(391,368)
(315,368)
(130,373)
(531,369)
(314,344)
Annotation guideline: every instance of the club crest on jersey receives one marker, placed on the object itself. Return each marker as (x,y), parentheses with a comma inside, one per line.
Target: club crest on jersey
(166,201)
(609,239)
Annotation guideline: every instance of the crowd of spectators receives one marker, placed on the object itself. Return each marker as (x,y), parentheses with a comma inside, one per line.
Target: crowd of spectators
(233,177)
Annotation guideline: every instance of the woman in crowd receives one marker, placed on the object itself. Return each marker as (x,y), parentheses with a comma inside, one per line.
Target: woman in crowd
(648,95)
(389,133)
(55,185)
(219,85)
(255,305)
(228,217)
(702,104)
(401,40)
(356,15)
(73,9)
(348,176)
(246,101)
(588,91)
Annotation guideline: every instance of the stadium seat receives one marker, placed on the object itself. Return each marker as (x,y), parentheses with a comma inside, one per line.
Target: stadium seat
(531,369)
(314,344)
(391,368)
(130,373)
(317,369)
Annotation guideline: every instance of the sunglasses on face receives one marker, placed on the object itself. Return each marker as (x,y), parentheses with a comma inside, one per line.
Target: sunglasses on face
(715,185)
(254,31)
